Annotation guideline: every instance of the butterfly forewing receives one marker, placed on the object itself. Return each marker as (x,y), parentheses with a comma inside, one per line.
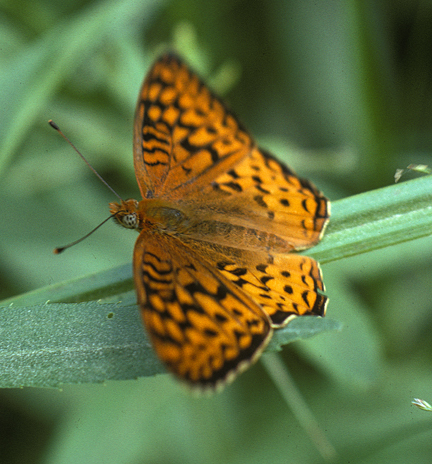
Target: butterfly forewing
(201,325)
(184,136)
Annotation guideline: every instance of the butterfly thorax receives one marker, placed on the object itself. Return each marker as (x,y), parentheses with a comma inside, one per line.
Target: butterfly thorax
(150,214)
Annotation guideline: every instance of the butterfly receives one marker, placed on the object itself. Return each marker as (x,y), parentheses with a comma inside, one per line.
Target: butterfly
(218,220)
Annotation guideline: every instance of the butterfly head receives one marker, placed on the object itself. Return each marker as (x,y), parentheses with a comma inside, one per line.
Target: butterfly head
(125,213)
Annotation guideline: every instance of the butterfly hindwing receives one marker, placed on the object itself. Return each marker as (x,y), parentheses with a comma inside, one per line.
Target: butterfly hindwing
(258,205)
(284,285)
(273,200)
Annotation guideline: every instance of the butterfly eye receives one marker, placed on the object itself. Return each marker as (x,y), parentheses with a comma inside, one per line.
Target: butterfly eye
(130,221)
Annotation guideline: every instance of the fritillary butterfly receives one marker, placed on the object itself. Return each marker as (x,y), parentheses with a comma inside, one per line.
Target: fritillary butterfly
(219,217)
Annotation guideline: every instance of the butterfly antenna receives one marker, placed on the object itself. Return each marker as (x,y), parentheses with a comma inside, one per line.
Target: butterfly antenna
(57,128)
(58,250)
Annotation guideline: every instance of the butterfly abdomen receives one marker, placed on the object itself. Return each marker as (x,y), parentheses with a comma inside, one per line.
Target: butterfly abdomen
(239,236)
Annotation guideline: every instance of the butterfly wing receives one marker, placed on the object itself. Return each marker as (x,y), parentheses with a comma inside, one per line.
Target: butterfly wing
(283,285)
(202,326)
(188,142)
(184,136)
(259,205)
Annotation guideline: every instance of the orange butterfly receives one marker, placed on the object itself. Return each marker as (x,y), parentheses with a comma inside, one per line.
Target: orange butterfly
(219,217)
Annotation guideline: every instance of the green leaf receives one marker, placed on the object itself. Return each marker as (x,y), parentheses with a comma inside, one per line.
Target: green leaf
(49,345)
(301,328)
(377,219)
(46,342)
(53,344)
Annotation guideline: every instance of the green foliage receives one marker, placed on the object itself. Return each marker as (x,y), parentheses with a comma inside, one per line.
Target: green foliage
(52,344)
(341,92)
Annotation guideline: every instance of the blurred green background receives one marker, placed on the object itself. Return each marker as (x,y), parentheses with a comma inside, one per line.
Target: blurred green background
(341,91)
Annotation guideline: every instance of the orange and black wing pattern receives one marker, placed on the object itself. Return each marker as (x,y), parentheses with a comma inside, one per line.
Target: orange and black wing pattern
(220,218)
(184,136)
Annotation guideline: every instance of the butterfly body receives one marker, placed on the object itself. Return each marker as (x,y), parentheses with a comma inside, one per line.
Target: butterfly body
(219,218)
